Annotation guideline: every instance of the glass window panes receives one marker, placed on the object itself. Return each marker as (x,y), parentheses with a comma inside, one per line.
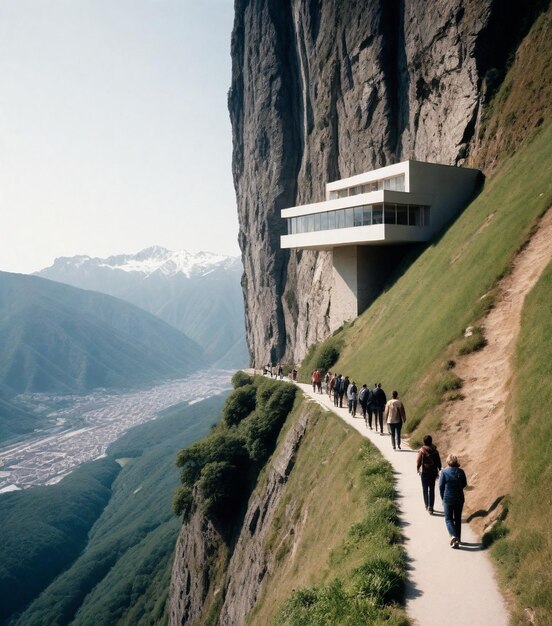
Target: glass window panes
(310,223)
(317,221)
(357,220)
(402,215)
(340,218)
(367,215)
(349,218)
(389,214)
(413,215)
(377,214)
(324,221)
(331,219)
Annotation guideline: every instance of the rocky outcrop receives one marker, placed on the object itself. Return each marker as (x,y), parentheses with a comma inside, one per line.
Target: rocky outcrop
(325,90)
(208,568)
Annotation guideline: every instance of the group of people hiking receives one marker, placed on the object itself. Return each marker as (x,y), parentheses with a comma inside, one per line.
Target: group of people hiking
(375,409)
(372,404)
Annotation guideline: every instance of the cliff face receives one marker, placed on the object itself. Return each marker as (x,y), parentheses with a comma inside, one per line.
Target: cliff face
(206,579)
(326,90)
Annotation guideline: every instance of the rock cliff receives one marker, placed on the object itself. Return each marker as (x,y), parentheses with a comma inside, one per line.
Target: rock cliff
(325,90)
(215,575)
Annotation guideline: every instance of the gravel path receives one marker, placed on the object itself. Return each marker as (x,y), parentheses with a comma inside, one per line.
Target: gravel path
(445,586)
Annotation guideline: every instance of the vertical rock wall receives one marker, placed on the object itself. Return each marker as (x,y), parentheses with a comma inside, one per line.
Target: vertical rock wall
(324,90)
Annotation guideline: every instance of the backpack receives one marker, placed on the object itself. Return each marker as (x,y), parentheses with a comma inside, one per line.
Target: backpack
(428,462)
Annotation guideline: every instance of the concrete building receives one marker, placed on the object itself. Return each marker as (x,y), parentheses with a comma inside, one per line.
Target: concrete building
(369,220)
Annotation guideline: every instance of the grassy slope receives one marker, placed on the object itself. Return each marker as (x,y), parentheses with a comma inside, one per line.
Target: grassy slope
(318,547)
(405,334)
(525,554)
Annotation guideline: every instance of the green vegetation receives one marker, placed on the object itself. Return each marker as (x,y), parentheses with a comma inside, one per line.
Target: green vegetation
(219,471)
(524,554)
(472,343)
(322,356)
(123,575)
(45,528)
(358,575)
(239,379)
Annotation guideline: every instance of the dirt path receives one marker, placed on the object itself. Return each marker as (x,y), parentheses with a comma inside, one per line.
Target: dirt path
(478,427)
(445,587)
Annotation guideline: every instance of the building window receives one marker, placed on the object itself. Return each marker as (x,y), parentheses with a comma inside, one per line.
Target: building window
(389,214)
(357,216)
(349,218)
(402,215)
(332,223)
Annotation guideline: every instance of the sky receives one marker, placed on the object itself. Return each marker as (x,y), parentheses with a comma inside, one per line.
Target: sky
(114,128)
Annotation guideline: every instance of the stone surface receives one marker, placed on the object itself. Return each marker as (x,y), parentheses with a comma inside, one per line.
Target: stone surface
(199,576)
(326,90)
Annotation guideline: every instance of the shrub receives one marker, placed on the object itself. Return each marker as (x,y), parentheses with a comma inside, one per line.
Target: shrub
(378,580)
(239,404)
(328,355)
(241,379)
(498,531)
(219,486)
(448,382)
(476,341)
(182,501)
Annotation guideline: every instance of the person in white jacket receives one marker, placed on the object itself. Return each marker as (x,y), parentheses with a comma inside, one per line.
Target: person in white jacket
(395,416)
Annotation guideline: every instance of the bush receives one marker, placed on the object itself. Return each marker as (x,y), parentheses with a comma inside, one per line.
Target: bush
(476,341)
(448,382)
(240,379)
(219,486)
(239,404)
(328,355)
(182,501)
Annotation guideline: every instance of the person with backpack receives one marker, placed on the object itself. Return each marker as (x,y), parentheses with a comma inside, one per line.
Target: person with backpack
(395,416)
(452,483)
(331,386)
(364,398)
(379,400)
(428,465)
(337,390)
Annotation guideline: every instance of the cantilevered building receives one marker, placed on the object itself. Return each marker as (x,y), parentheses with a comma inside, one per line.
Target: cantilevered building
(367,219)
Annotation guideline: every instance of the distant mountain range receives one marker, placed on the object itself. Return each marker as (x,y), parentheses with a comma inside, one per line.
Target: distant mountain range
(199,294)
(56,338)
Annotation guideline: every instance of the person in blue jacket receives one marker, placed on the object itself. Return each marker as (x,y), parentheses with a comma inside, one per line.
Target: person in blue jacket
(452,483)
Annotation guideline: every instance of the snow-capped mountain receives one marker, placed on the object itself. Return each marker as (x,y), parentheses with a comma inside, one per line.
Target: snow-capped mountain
(200,294)
(152,260)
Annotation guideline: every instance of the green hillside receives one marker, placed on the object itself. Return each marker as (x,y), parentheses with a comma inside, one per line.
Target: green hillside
(123,575)
(57,338)
(45,528)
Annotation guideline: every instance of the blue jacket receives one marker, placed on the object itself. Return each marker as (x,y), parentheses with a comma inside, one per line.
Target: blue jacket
(451,485)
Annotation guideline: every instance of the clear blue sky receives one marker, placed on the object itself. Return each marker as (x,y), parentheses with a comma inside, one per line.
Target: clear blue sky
(114,130)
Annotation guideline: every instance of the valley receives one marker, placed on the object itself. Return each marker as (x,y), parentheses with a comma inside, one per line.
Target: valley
(83,426)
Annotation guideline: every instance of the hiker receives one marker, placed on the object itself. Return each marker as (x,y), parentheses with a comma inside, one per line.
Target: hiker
(428,465)
(352,398)
(364,398)
(315,379)
(280,371)
(293,374)
(343,390)
(452,483)
(327,379)
(337,389)
(395,416)
(332,386)
(379,400)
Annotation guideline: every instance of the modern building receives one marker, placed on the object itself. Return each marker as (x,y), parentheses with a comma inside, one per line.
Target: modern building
(367,221)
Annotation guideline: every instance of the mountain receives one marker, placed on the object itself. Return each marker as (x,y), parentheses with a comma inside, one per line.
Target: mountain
(325,90)
(199,294)
(57,338)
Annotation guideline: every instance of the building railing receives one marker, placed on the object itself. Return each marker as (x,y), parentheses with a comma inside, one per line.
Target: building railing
(366,215)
